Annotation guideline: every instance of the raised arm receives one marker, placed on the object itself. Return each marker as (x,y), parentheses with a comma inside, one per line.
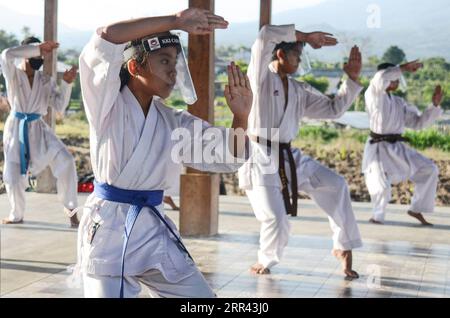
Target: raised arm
(221,146)
(262,49)
(320,106)
(102,58)
(383,78)
(239,96)
(9,67)
(60,97)
(269,37)
(24,52)
(416,120)
(193,20)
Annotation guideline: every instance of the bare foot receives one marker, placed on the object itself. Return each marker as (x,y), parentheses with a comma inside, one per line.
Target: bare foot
(419,217)
(259,269)
(74,223)
(373,221)
(346,258)
(9,222)
(169,201)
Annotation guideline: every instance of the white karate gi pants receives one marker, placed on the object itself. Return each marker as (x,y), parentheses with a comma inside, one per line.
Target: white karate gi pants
(425,185)
(194,286)
(330,193)
(62,167)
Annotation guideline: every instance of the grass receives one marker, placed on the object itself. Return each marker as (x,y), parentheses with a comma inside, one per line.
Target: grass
(74,105)
(429,138)
(318,133)
(430,142)
(72,126)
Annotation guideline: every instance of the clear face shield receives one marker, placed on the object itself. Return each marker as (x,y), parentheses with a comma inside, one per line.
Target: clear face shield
(403,84)
(304,67)
(167,61)
(400,84)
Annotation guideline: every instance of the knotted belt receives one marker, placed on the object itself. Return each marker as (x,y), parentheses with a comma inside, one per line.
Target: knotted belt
(376,138)
(291,204)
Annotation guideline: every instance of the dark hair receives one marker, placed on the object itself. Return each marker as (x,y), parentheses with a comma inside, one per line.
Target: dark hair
(385,66)
(285,47)
(30,40)
(139,55)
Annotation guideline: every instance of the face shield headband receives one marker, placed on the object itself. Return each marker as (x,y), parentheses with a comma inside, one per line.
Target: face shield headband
(183,83)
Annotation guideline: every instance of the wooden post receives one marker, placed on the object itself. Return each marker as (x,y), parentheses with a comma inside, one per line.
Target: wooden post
(46,183)
(265,13)
(200,191)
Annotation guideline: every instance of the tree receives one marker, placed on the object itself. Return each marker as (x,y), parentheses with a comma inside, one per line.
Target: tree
(394,55)
(422,83)
(26,32)
(373,61)
(6,41)
(319,83)
(360,104)
(243,66)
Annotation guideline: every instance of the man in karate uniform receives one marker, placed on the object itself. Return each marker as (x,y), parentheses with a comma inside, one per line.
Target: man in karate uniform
(387,159)
(29,143)
(281,102)
(127,69)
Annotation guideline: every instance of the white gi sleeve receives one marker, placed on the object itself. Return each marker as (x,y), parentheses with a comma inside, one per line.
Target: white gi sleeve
(60,96)
(262,50)
(100,63)
(8,59)
(204,147)
(416,120)
(320,106)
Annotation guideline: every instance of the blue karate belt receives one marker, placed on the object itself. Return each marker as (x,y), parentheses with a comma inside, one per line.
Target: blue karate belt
(23,139)
(137,200)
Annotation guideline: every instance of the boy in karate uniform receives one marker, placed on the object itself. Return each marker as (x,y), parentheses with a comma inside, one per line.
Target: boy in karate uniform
(127,69)
(280,102)
(387,159)
(29,143)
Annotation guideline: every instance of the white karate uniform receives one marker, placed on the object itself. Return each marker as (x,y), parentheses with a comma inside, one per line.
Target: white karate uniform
(45,148)
(326,188)
(131,151)
(385,163)
(175,186)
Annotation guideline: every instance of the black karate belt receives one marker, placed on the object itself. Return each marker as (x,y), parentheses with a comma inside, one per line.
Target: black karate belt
(376,138)
(291,206)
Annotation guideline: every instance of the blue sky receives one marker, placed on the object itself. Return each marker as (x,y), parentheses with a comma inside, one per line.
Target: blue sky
(88,14)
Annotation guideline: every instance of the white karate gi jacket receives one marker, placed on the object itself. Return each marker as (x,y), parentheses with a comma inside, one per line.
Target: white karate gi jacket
(130,151)
(389,114)
(268,109)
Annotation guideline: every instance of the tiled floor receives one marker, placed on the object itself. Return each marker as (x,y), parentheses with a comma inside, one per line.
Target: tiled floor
(400,259)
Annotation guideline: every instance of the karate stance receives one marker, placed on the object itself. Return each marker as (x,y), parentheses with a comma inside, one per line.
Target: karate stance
(387,159)
(127,69)
(281,102)
(29,143)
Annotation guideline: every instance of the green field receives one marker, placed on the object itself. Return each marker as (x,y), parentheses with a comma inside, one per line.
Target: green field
(430,141)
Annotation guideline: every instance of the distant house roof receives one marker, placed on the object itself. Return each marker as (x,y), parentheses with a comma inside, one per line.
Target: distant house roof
(62,67)
(358,120)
